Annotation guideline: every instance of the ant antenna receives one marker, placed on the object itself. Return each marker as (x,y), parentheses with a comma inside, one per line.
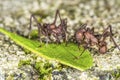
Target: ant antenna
(105,34)
(57,13)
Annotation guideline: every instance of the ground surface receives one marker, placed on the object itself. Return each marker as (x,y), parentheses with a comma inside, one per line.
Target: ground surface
(15,14)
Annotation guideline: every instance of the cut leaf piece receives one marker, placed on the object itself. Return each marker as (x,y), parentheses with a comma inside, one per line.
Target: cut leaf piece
(61,53)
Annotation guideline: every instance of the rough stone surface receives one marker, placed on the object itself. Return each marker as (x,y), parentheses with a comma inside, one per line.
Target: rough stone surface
(15,14)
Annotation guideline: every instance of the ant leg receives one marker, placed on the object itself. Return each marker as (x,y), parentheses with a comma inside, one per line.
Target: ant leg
(30,27)
(112,37)
(105,31)
(38,25)
(64,38)
(81,53)
(77,57)
(57,13)
(64,31)
(92,30)
(79,46)
(55,17)
(59,16)
(84,48)
(106,34)
(64,24)
(57,40)
(46,40)
(56,37)
(47,37)
(39,33)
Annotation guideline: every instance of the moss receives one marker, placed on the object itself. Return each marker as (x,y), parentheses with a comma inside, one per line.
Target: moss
(116,74)
(24,62)
(26,51)
(60,66)
(34,34)
(44,69)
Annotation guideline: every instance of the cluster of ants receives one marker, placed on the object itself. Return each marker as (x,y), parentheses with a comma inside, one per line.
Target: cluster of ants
(84,36)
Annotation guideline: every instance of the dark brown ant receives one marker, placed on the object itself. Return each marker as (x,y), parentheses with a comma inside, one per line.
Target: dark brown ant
(86,37)
(102,43)
(48,29)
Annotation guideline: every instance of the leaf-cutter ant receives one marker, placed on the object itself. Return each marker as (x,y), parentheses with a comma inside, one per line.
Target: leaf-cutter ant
(102,43)
(48,29)
(86,37)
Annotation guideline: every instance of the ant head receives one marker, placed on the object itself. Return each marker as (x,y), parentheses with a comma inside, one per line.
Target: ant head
(102,43)
(102,47)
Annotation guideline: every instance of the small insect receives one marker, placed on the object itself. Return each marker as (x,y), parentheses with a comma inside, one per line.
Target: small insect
(102,43)
(86,37)
(48,29)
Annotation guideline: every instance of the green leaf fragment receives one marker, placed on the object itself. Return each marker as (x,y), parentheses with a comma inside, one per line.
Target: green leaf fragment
(61,53)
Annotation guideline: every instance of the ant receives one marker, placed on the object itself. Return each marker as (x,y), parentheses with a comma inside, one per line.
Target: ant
(48,29)
(86,37)
(102,44)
